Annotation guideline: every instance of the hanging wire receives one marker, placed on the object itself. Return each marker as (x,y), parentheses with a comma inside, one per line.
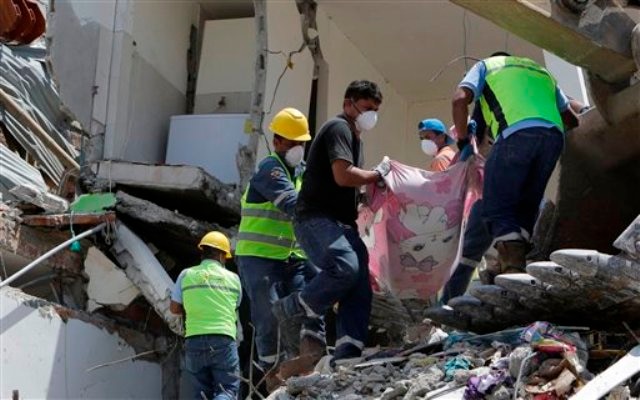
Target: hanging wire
(287,66)
(465,57)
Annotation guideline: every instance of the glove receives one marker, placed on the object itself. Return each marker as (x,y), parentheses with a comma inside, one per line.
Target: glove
(462,143)
(384,167)
(472,128)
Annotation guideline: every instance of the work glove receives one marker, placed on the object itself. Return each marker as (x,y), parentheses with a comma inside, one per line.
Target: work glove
(472,127)
(384,167)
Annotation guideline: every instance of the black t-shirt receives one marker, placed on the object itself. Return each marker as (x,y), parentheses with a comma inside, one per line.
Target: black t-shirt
(320,194)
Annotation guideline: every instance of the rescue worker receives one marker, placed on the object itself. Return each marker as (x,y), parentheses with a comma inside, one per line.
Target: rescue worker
(526,114)
(208,295)
(436,143)
(325,223)
(270,262)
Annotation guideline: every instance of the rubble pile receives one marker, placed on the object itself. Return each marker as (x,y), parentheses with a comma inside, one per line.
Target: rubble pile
(567,290)
(536,362)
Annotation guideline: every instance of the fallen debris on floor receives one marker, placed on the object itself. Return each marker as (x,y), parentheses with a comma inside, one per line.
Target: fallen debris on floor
(540,361)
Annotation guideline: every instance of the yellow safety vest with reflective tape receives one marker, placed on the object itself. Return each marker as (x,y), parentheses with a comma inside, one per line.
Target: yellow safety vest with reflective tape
(265,231)
(517,89)
(210,295)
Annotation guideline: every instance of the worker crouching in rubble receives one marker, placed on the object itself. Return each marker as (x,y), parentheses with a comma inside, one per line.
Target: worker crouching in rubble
(526,114)
(208,295)
(270,262)
(325,223)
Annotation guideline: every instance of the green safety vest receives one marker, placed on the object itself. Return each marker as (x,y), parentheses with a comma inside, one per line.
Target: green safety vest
(517,89)
(265,231)
(210,295)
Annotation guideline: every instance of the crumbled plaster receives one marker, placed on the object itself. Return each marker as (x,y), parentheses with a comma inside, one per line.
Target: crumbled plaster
(108,285)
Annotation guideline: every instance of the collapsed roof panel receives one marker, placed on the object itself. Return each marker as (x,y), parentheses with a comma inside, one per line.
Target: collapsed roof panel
(16,171)
(25,79)
(185,188)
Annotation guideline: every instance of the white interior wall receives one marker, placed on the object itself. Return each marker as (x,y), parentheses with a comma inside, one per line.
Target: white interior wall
(347,63)
(228,53)
(284,34)
(46,357)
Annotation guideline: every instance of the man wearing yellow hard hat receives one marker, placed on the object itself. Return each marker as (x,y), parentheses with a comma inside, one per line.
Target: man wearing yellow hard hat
(208,295)
(270,262)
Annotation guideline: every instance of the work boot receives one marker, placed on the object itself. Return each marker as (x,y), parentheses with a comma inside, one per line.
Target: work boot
(512,256)
(273,380)
(288,313)
(311,351)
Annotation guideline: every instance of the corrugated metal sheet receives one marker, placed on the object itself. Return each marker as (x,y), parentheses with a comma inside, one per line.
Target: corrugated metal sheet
(15,171)
(24,76)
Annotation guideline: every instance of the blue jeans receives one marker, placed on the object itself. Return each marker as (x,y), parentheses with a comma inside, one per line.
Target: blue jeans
(516,175)
(477,240)
(265,280)
(342,257)
(212,361)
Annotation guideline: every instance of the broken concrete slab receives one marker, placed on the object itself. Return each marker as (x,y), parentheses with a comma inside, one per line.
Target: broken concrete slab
(146,273)
(629,240)
(108,285)
(45,200)
(168,230)
(188,189)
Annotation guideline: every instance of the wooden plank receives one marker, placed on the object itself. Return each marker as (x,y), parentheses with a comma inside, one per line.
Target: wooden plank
(66,219)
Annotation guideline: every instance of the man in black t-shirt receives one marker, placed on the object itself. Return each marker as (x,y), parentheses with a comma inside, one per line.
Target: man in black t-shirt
(325,222)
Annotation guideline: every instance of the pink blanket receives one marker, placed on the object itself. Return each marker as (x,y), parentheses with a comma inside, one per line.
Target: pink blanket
(413,228)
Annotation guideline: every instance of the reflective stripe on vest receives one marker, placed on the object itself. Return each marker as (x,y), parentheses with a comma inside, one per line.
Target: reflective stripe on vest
(264,230)
(517,89)
(210,297)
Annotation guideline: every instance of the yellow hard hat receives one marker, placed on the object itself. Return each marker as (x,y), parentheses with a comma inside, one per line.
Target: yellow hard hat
(217,240)
(291,124)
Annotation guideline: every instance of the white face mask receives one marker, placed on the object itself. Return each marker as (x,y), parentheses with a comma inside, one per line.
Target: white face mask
(366,120)
(294,156)
(429,147)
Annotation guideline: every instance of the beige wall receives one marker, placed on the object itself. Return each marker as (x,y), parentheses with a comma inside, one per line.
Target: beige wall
(227,58)
(284,34)
(347,63)
(161,32)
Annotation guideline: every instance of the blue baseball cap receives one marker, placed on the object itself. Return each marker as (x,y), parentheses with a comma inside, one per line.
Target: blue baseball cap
(432,124)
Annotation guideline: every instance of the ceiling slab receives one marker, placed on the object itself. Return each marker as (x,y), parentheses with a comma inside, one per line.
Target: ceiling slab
(410,42)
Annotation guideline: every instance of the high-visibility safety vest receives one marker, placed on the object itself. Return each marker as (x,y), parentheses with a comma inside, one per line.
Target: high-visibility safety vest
(517,89)
(210,295)
(265,231)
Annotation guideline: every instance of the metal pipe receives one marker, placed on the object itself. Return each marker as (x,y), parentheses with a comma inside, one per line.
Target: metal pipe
(49,253)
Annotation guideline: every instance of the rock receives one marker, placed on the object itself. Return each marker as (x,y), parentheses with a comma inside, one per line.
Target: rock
(280,394)
(424,383)
(501,393)
(297,384)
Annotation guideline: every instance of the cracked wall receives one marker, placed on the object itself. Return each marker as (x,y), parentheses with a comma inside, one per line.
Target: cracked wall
(37,342)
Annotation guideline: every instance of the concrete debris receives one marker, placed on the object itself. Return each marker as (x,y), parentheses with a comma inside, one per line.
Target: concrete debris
(108,285)
(46,201)
(146,273)
(629,240)
(185,188)
(565,290)
(539,361)
(167,229)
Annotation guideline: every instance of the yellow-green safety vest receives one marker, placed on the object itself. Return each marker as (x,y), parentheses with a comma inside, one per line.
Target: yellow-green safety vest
(517,89)
(210,295)
(265,231)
